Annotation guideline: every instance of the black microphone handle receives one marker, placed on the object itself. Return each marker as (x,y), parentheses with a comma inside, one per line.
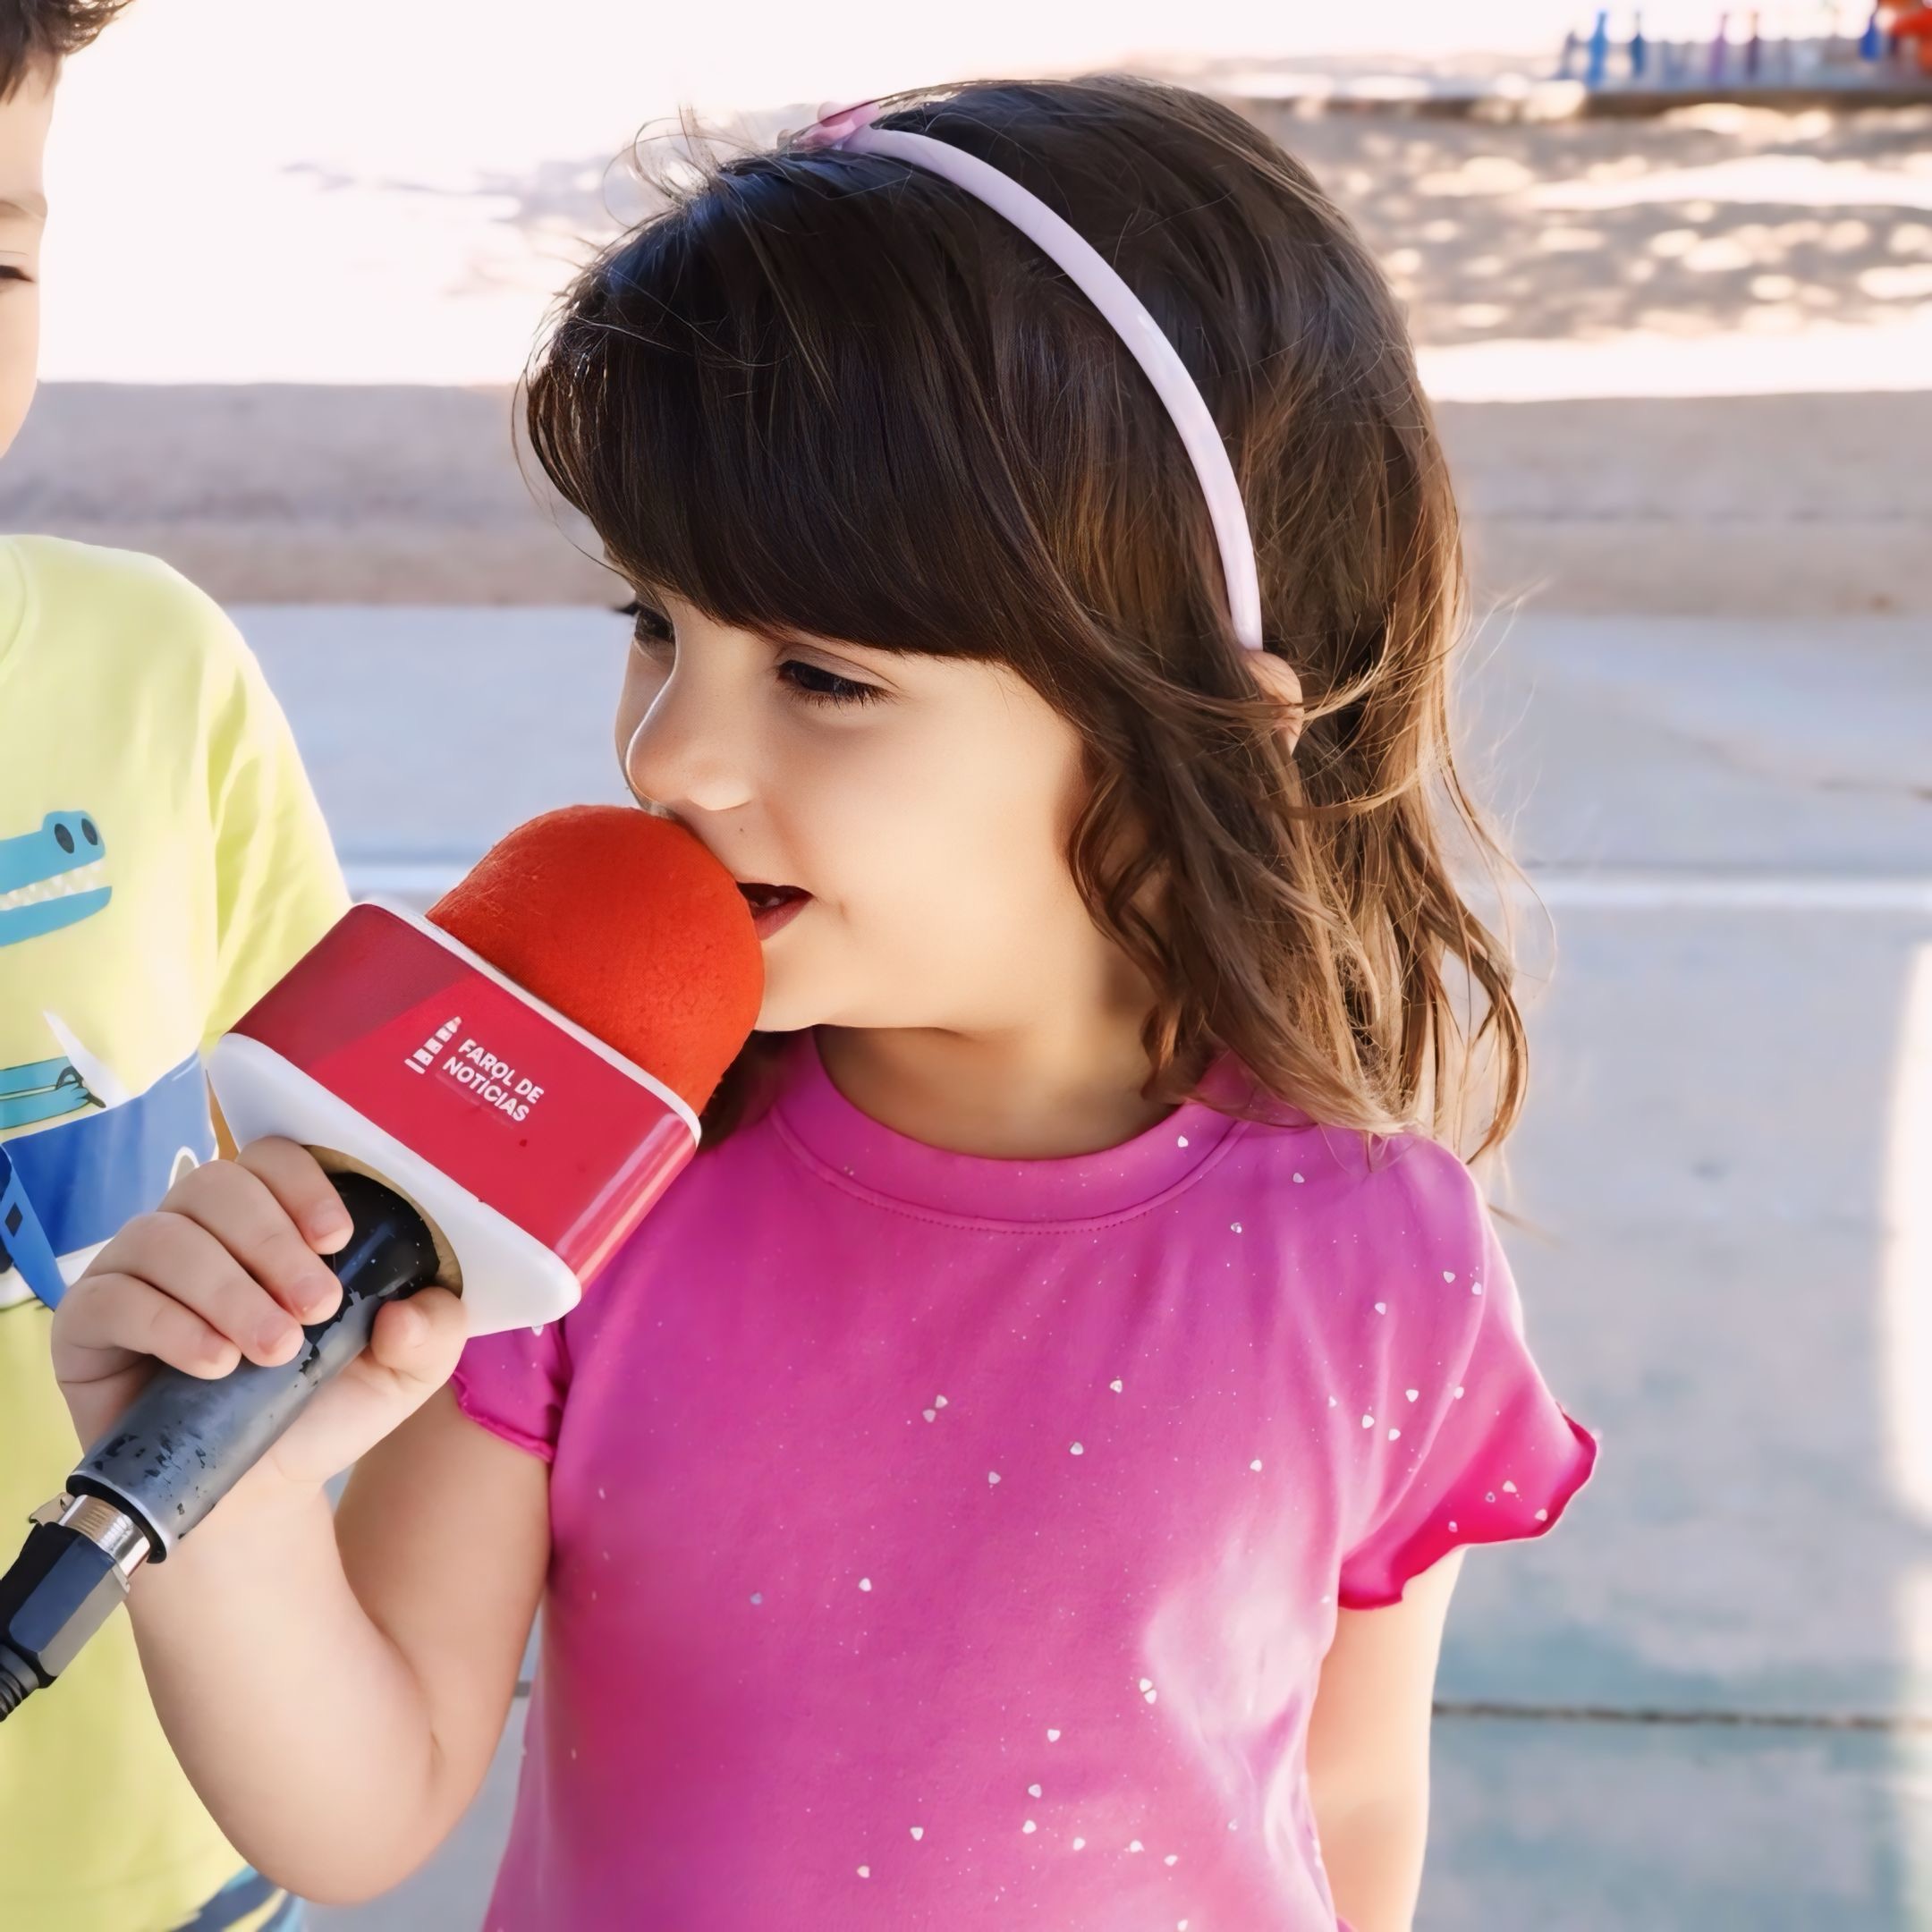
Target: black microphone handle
(184,1442)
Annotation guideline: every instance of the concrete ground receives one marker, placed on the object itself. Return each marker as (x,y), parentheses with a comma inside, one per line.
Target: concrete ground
(1707,1700)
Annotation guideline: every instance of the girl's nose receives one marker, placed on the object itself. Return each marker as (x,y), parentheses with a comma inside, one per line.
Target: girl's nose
(685,754)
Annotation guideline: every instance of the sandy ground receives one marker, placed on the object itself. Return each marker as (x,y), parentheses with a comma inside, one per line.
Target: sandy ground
(1770,505)
(1684,365)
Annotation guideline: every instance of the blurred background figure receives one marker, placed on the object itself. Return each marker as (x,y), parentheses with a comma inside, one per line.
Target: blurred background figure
(1671,282)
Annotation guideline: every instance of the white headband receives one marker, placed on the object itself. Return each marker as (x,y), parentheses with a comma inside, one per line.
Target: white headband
(849,129)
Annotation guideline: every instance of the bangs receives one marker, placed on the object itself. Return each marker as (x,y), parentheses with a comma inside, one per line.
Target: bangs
(763,407)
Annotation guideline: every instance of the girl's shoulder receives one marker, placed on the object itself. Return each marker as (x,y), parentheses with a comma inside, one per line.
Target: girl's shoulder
(1395,1181)
(1394,1228)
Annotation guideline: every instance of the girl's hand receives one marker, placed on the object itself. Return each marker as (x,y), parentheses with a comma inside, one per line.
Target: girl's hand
(229,1265)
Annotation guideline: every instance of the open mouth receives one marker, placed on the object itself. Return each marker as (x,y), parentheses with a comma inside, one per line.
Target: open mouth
(65,884)
(772,906)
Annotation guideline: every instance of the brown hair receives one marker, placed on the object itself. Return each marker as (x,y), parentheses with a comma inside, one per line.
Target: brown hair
(42,33)
(831,394)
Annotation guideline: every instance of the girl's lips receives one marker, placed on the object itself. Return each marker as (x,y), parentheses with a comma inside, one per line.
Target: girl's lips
(773,906)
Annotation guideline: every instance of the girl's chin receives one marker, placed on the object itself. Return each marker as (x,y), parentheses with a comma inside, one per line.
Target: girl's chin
(784,1010)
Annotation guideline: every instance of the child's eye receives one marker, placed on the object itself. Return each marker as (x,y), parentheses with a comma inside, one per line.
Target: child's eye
(649,628)
(817,685)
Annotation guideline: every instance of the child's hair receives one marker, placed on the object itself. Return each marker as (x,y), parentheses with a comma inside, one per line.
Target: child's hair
(40,34)
(830,394)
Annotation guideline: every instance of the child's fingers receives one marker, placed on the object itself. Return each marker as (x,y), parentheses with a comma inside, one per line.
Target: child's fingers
(186,1261)
(418,1340)
(412,1352)
(238,1209)
(298,1180)
(110,1320)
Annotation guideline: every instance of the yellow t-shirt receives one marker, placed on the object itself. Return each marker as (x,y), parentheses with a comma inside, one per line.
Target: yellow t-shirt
(162,862)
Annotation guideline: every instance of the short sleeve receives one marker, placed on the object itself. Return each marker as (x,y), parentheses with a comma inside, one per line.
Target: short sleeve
(278,887)
(1498,1459)
(514,1384)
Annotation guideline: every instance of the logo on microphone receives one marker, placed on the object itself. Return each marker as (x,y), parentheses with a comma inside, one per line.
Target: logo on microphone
(472,1066)
(424,1057)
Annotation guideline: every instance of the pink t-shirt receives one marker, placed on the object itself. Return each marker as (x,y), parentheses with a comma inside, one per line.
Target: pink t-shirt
(951,1543)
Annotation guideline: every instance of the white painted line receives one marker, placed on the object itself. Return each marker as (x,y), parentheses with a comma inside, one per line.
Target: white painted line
(1647,889)
(1566,888)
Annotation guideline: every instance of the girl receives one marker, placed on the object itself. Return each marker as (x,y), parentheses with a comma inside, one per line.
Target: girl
(1018,1473)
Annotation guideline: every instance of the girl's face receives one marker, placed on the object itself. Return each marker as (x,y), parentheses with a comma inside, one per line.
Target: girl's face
(900,823)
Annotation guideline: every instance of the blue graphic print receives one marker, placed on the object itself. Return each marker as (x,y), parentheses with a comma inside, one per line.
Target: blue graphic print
(51,877)
(24,1249)
(82,1178)
(41,1091)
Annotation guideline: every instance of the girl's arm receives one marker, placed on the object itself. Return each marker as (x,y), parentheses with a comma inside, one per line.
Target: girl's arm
(1368,1751)
(334,1691)
(334,1687)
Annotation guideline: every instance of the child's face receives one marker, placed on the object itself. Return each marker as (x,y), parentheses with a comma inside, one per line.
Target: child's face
(926,819)
(23,132)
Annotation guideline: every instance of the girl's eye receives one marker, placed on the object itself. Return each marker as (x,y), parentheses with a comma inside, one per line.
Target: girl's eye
(817,685)
(9,273)
(651,629)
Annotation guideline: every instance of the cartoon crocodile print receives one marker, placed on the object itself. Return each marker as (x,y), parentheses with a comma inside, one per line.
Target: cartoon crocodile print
(52,877)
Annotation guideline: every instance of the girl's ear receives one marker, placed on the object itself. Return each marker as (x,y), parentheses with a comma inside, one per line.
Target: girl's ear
(1277,679)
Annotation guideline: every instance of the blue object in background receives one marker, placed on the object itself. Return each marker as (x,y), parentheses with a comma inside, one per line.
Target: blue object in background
(1720,46)
(1871,42)
(1599,50)
(1568,56)
(1639,49)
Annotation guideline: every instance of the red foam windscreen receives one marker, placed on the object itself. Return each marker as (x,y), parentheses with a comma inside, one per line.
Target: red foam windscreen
(625,924)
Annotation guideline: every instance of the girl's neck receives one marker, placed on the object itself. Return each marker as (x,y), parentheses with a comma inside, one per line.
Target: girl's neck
(1038,1093)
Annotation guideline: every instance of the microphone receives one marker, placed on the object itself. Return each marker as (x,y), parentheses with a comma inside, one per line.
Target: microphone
(500,1091)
